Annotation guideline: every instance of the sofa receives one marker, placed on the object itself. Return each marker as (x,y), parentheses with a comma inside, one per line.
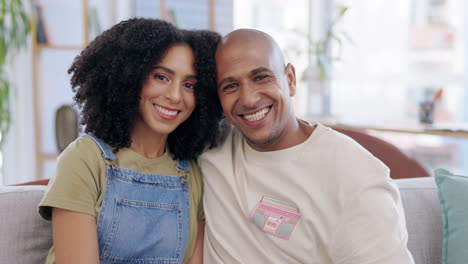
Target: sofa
(26,238)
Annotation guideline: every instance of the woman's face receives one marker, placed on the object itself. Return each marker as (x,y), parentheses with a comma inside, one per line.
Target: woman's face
(167,95)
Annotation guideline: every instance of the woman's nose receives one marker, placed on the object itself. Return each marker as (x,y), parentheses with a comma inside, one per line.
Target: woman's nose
(173,92)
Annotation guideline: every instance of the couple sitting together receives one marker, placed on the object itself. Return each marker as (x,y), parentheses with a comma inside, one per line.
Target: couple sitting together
(193,154)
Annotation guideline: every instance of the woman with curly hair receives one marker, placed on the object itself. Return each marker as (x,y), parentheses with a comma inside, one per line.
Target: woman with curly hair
(129,190)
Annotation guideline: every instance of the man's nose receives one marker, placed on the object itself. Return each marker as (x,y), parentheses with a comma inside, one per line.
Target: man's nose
(248,95)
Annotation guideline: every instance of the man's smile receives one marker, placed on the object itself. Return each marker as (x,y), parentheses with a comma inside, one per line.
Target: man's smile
(260,114)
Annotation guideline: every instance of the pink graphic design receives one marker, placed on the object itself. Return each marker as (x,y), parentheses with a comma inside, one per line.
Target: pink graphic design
(275,217)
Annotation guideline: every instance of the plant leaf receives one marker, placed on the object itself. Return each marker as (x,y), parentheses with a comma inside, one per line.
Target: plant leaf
(14,29)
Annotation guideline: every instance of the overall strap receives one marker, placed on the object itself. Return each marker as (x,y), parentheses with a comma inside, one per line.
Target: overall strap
(183,169)
(183,165)
(106,152)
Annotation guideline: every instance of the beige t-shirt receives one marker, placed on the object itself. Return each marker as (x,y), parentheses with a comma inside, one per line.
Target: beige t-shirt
(80,181)
(351,210)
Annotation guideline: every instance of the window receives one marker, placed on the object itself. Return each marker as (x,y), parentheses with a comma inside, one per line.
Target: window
(404,52)
(401,52)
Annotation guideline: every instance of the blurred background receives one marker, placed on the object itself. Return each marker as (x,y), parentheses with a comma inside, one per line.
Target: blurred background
(369,65)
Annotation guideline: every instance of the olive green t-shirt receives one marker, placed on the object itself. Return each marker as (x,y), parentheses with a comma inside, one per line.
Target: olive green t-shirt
(80,180)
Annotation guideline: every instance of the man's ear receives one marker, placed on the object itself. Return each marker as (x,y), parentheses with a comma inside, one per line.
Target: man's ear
(291,77)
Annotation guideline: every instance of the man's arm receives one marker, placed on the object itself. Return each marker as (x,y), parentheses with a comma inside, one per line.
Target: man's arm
(372,227)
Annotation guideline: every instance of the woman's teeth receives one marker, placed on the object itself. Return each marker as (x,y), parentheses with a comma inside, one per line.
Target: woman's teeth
(165,111)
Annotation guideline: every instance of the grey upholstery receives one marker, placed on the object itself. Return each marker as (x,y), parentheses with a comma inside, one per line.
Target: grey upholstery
(26,238)
(423,219)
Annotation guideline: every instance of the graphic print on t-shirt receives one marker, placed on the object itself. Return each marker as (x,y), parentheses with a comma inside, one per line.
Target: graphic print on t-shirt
(275,217)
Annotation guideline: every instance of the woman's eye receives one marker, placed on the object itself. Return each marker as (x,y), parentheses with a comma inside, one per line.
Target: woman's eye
(189,85)
(160,77)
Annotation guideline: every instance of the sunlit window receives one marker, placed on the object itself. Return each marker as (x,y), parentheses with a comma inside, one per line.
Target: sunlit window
(390,57)
(403,53)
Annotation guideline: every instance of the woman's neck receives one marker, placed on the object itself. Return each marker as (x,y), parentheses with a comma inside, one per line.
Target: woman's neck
(148,143)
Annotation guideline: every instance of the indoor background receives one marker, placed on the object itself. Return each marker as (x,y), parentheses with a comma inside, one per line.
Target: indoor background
(365,64)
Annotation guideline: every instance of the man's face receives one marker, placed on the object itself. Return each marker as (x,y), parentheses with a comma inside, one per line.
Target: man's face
(255,90)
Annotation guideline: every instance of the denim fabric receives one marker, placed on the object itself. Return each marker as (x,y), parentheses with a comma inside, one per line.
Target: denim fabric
(144,218)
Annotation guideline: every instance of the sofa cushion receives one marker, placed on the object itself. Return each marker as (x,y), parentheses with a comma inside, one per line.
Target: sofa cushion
(453,195)
(25,236)
(423,218)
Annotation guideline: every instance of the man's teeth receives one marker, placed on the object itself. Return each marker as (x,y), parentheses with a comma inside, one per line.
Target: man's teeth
(165,111)
(258,115)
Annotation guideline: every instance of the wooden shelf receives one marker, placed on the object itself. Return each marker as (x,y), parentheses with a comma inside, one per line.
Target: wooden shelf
(48,156)
(445,130)
(60,47)
(455,130)
(38,90)
(37,48)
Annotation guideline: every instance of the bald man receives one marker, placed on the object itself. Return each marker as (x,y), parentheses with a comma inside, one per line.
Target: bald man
(280,190)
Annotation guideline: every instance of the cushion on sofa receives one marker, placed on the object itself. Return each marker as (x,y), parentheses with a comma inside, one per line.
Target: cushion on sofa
(423,220)
(25,236)
(453,195)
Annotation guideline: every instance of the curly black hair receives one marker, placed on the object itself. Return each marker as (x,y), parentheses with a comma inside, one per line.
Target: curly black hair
(108,75)
(208,112)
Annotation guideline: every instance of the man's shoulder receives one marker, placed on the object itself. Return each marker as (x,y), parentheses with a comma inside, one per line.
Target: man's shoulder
(230,139)
(349,166)
(347,151)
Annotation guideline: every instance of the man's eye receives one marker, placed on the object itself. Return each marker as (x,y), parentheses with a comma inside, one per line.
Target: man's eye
(230,86)
(260,77)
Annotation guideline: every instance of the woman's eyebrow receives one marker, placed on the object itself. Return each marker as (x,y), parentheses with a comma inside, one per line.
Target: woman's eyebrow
(192,77)
(163,68)
(189,76)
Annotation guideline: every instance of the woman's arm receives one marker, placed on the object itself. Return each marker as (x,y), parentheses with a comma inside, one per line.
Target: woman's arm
(197,256)
(75,237)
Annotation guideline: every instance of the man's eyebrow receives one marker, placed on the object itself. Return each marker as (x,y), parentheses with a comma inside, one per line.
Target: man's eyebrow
(252,72)
(259,70)
(226,80)
(173,72)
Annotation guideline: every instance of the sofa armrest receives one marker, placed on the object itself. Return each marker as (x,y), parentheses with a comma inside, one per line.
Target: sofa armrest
(38,182)
(25,236)
(423,218)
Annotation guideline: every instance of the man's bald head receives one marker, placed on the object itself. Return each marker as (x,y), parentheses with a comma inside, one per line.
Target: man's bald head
(243,39)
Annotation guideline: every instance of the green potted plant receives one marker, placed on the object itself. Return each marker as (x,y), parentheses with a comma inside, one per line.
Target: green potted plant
(14,30)
(321,59)
(321,49)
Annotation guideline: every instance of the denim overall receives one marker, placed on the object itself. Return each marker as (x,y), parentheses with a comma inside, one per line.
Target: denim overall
(144,218)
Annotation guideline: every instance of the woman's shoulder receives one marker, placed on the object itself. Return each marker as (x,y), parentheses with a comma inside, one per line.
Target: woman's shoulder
(195,170)
(193,165)
(82,145)
(83,149)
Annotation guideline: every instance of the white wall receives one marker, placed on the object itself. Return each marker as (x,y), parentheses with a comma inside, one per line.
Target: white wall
(18,151)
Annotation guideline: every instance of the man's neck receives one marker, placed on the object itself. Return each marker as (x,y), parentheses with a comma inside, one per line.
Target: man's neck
(296,133)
